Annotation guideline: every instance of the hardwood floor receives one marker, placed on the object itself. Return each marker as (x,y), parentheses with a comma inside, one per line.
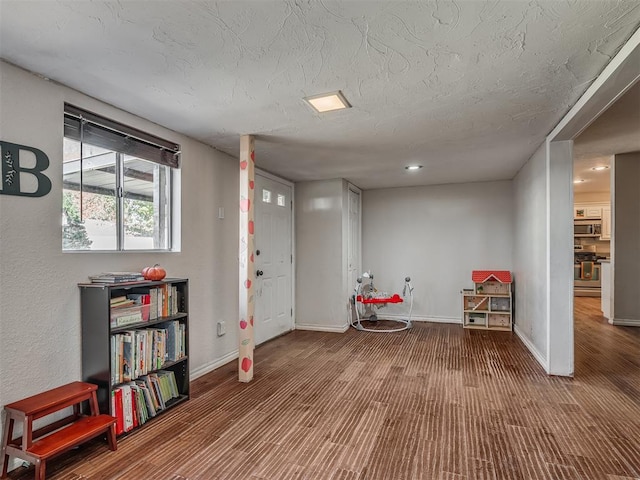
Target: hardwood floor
(435,402)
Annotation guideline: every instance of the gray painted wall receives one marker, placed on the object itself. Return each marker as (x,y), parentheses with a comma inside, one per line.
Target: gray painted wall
(626,239)
(320,225)
(40,304)
(437,235)
(530,254)
(592,197)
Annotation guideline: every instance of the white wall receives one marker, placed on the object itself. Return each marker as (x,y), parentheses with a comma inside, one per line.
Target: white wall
(321,299)
(530,254)
(591,197)
(39,304)
(625,261)
(436,235)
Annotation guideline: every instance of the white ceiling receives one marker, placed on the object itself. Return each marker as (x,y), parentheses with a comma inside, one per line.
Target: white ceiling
(616,131)
(469,89)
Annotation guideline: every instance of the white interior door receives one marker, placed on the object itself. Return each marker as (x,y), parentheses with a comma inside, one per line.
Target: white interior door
(354,241)
(273,258)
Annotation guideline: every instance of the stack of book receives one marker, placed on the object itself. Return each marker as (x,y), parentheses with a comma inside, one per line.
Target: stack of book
(166,299)
(125,311)
(117,277)
(137,352)
(160,302)
(132,404)
(120,302)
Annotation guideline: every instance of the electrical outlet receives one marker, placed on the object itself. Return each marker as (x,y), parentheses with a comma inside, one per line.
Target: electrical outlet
(222,328)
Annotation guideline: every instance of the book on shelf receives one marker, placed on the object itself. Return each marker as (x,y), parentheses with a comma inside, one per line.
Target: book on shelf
(134,311)
(175,340)
(117,277)
(135,353)
(134,403)
(166,299)
(155,388)
(153,303)
(116,410)
(122,303)
(162,301)
(148,402)
(139,298)
(127,356)
(168,379)
(119,319)
(141,406)
(140,353)
(160,347)
(127,408)
(155,403)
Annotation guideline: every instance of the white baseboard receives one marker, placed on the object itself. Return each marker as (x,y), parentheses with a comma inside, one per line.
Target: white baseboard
(560,373)
(625,322)
(532,348)
(423,318)
(209,367)
(323,328)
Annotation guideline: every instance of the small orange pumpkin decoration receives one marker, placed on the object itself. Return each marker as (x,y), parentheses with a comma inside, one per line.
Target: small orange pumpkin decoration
(154,273)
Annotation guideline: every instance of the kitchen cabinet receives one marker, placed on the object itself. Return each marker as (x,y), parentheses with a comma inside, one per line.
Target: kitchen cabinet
(587,211)
(606,223)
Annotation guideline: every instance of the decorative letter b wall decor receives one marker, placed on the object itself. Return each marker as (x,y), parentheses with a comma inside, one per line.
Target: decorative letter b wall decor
(11,170)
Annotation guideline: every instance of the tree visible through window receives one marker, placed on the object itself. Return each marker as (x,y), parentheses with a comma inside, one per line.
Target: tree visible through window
(116,188)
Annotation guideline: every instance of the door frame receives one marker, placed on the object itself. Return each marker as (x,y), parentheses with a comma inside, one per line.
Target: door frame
(288,183)
(618,76)
(352,188)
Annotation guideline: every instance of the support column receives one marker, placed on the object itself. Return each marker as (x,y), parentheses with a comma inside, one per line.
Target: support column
(246,340)
(560,258)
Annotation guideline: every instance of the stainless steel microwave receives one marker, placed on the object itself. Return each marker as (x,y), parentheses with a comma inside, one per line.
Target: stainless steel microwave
(587,228)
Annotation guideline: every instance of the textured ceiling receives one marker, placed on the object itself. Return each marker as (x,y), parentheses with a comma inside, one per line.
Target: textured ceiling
(468,89)
(616,131)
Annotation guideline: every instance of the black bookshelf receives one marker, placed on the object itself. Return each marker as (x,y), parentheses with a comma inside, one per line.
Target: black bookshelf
(97,330)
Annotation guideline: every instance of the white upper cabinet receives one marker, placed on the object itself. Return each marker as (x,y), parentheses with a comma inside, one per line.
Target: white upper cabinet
(587,211)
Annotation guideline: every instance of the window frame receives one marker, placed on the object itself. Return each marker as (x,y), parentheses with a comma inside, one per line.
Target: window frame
(125,141)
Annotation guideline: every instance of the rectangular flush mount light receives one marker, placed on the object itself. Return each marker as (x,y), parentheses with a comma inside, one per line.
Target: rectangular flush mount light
(327,102)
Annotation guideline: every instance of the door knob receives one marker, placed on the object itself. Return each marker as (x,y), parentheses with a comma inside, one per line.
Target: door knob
(259,273)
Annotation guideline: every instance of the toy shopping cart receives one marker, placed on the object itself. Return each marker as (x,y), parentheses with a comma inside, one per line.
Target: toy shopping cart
(367,300)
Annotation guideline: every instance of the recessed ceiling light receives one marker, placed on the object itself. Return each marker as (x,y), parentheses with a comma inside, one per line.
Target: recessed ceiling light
(578,180)
(328,102)
(413,167)
(600,167)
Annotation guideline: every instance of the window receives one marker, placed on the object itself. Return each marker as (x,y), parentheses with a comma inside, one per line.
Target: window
(116,185)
